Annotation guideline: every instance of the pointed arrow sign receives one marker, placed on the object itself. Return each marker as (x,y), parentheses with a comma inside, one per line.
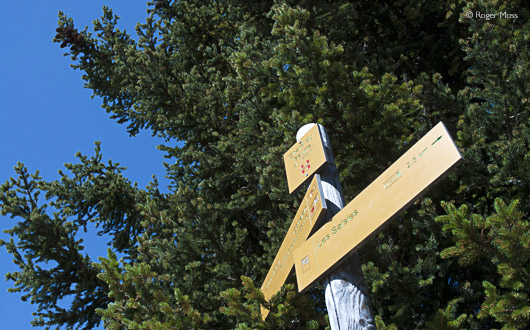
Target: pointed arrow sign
(393,191)
(310,212)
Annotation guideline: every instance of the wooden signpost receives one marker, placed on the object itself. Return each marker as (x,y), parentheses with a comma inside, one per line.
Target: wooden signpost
(310,212)
(304,158)
(402,183)
(321,255)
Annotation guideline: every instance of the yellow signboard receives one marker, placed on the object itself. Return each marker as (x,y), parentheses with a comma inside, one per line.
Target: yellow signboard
(311,210)
(304,158)
(404,181)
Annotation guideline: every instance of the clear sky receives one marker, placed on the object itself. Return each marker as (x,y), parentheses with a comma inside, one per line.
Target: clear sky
(46,115)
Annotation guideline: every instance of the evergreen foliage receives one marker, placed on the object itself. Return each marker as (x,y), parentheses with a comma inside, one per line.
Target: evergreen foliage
(234,80)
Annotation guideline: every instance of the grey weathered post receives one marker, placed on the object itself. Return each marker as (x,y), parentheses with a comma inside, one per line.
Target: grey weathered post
(346,295)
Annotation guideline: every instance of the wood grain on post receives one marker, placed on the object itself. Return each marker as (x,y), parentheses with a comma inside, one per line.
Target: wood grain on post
(345,292)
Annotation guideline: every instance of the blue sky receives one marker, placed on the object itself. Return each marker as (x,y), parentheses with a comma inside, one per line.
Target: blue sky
(46,115)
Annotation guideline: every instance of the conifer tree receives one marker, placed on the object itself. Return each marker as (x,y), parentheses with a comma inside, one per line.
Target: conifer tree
(234,80)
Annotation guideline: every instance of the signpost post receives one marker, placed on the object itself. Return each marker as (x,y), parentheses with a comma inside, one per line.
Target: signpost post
(345,293)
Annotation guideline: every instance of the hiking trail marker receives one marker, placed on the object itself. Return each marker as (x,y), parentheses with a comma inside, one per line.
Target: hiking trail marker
(304,158)
(400,185)
(311,210)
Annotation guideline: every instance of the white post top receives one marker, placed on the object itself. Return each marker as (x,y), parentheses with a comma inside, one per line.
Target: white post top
(323,134)
(304,129)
